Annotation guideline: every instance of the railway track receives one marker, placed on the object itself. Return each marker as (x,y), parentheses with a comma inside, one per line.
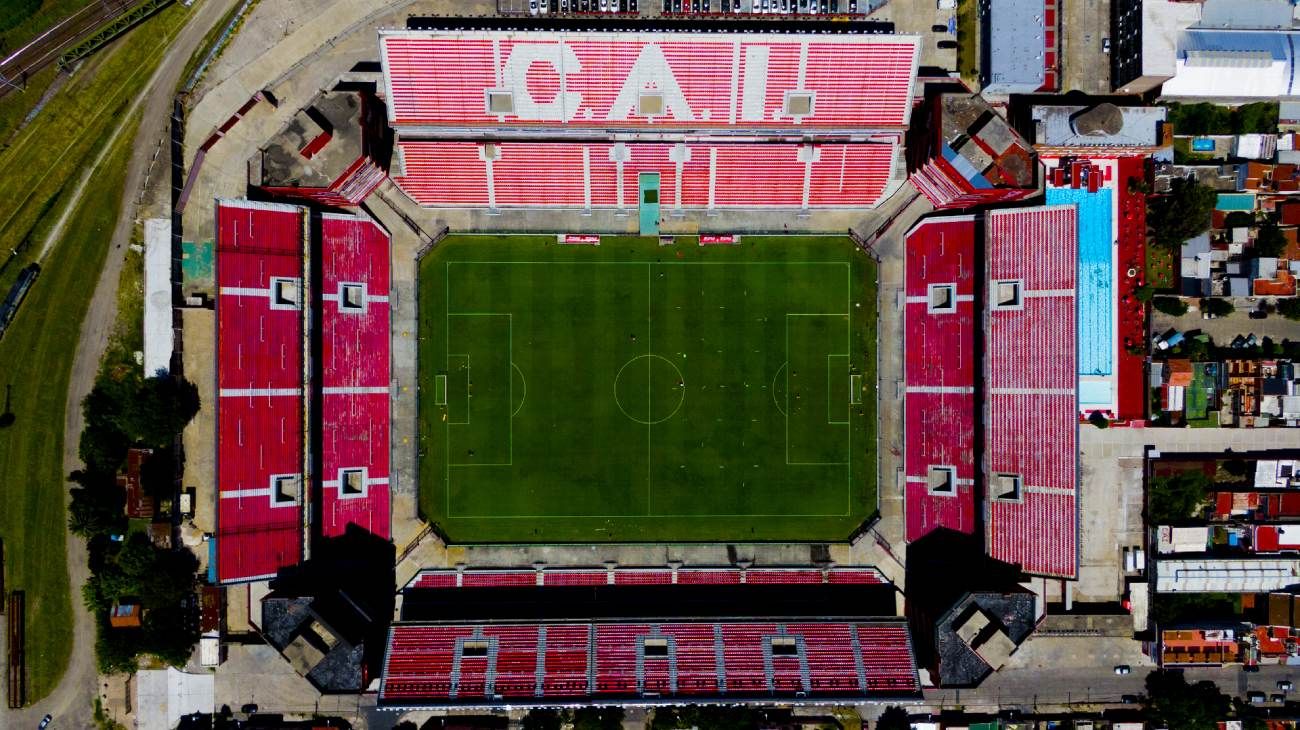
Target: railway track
(20,64)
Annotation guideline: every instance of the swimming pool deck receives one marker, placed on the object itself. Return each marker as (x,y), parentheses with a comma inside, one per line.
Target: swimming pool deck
(1098,340)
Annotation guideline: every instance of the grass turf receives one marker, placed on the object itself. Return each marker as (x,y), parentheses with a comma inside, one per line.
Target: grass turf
(37,354)
(632,392)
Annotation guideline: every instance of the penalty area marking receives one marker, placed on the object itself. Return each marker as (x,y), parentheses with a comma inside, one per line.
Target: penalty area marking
(440,390)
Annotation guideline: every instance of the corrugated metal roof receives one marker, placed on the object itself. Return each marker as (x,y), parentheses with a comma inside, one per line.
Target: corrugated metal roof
(1226,576)
(1015,28)
(1234,64)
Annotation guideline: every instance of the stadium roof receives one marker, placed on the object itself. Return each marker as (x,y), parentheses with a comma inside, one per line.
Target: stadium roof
(1031,389)
(1016,30)
(453,79)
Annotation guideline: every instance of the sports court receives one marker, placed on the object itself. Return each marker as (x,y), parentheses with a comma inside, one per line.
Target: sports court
(636,392)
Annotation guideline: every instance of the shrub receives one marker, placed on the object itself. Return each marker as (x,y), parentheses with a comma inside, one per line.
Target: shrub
(1217,307)
(1172,306)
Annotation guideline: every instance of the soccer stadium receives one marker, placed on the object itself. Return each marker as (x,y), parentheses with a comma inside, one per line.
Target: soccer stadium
(630,339)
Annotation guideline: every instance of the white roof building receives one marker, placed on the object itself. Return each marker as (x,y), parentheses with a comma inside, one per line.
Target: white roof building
(164,696)
(1225,576)
(1234,65)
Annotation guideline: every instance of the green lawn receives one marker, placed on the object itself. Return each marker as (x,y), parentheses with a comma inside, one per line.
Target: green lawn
(633,392)
(43,161)
(37,356)
(968,41)
(1160,267)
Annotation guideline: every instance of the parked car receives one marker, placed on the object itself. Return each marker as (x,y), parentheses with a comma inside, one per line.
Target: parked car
(532,7)
(1105,45)
(1258,314)
(1123,669)
(1255,698)
(45,722)
(1285,685)
(947,4)
(947,44)
(1129,699)
(1278,698)
(938,28)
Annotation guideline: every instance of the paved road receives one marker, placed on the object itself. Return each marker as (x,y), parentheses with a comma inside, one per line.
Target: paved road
(1027,689)
(46,48)
(71,701)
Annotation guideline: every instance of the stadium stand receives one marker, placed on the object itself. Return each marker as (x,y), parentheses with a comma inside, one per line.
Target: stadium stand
(1024,373)
(684,81)
(260,378)
(599,175)
(355,373)
(493,665)
(940,371)
(580,576)
(1031,426)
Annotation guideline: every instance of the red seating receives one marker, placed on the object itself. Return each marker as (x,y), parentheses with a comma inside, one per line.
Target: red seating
(616,657)
(575,577)
(260,388)
(939,375)
(567,648)
(497,578)
(1032,405)
(422,660)
(441,79)
(693,175)
(642,576)
(515,672)
(783,576)
(708,576)
(744,657)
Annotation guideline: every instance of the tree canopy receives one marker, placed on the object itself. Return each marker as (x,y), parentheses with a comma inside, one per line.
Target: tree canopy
(1172,702)
(1289,308)
(1172,306)
(1269,240)
(1217,307)
(1176,498)
(1182,213)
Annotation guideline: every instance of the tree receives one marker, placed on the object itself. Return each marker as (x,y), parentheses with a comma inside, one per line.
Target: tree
(598,718)
(1181,214)
(1217,307)
(1174,703)
(701,716)
(542,720)
(1173,306)
(1269,241)
(893,718)
(1144,292)
(1098,419)
(1175,498)
(159,411)
(1239,219)
(1289,308)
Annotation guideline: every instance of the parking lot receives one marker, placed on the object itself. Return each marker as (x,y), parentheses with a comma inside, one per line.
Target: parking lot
(1086,67)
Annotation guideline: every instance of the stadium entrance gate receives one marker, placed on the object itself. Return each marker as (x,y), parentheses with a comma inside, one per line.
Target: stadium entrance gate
(649,206)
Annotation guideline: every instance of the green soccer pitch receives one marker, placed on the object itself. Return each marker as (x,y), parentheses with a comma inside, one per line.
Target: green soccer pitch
(634,392)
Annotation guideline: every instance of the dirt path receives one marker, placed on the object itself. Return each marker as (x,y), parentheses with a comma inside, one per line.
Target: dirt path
(71,701)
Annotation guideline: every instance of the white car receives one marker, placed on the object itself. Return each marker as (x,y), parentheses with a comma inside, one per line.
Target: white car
(1123,669)
(1285,685)
(532,7)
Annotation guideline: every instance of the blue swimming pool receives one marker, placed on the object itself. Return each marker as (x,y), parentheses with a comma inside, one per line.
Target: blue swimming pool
(1096,298)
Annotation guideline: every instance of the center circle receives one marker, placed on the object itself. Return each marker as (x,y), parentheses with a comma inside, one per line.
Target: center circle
(649,389)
